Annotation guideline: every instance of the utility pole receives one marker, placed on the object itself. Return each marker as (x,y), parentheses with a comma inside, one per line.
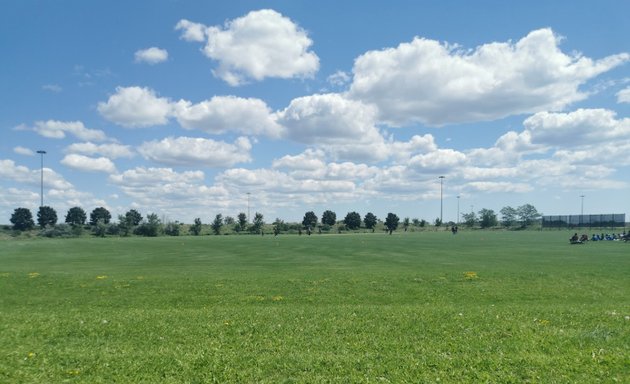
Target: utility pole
(441,202)
(458,209)
(248,206)
(42,153)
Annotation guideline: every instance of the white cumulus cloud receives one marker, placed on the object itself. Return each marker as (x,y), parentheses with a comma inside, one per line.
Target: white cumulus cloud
(258,45)
(23,151)
(191,31)
(436,83)
(54,129)
(22,174)
(197,151)
(151,55)
(228,114)
(623,96)
(112,151)
(136,107)
(89,164)
(580,127)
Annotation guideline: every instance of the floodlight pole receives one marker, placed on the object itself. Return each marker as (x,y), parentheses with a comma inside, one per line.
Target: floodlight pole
(248,193)
(582,210)
(458,209)
(441,203)
(42,153)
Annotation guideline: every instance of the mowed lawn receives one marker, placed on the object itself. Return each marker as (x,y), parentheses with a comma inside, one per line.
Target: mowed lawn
(498,307)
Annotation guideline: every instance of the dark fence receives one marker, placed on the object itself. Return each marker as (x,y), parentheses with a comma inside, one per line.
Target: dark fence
(612,220)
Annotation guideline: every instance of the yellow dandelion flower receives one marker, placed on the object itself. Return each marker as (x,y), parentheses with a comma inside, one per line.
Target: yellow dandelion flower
(470,275)
(33,275)
(277,298)
(102,277)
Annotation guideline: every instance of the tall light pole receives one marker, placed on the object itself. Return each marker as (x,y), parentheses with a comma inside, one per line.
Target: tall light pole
(248,206)
(441,204)
(582,210)
(458,209)
(42,153)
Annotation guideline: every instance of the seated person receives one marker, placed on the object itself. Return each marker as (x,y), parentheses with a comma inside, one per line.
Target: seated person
(574,238)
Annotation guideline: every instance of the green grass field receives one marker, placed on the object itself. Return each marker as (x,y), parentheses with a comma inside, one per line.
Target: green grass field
(497,307)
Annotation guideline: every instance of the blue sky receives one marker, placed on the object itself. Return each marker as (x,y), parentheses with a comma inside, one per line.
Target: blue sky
(182,108)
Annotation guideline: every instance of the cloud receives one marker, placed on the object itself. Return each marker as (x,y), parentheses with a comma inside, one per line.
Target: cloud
(191,31)
(328,119)
(343,128)
(55,88)
(274,181)
(24,151)
(623,96)
(256,46)
(54,129)
(112,151)
(169,192)
(144,177)
(228,114)
(436,83)
(21,174)
(89,164)
(339,79)
(580,127)
(310,160)
(197,151)
(498,187)
(151,55)
(136,107)
(438,161)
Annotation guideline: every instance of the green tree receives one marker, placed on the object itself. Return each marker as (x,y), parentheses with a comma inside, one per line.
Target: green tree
(217,224)
(391,222)
(195,229)
(172,228)
(278,226)
(508,216)
(133,217)
(242,222)
(469,219)
(352,220)
(46,216)
(370,221)
(329,218)
(257,225)
(22,219)
(527,214)
(487,218)
(76,216)
(406,223)
(100,228)
(229,220)
(437,222)
(100,213)
(310,221)
(151,227)
(124,228)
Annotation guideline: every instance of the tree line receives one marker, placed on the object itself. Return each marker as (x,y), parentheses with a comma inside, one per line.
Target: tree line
(132,222)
